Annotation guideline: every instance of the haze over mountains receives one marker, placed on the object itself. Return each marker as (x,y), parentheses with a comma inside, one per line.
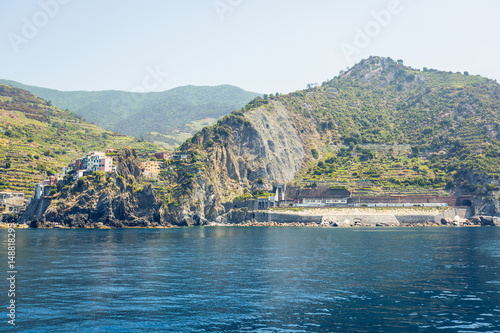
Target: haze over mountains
(166,118)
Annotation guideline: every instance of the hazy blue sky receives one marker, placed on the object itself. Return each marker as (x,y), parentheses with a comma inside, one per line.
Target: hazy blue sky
(264,46)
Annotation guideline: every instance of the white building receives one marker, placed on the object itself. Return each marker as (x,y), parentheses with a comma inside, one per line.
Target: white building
(94,160)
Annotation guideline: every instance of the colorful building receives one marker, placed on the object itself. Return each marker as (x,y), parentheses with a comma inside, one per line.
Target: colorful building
(161,156)
(150,169)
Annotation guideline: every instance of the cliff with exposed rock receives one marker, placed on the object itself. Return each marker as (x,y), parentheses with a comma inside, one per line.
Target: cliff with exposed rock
(115,200)
(391,127)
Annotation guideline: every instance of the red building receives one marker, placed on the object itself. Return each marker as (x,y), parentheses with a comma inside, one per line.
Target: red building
(52,180)
(160,156)
(78,164)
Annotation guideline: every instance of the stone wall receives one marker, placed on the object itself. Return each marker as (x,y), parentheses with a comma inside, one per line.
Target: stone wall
(451,201)
(238,216)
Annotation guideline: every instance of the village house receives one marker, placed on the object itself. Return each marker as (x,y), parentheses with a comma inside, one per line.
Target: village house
(150,169)
(94,161)
(180,156)
(11,202)
(66,170)
(161,156)
(106,164)
(78,174)
(52,180)
(77,164)
(321,196)
(39,191)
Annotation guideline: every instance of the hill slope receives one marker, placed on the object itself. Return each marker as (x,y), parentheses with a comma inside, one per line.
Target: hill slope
(168,117)
(37,139)
(379,128)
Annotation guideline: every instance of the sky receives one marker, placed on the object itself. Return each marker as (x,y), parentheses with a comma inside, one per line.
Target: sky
(264,46)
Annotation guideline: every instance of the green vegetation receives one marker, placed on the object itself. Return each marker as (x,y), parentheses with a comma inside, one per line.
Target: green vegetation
(386,128)
(254,195)
(385,174)
(432,129)
(166,118)
(37,140)
(379,128)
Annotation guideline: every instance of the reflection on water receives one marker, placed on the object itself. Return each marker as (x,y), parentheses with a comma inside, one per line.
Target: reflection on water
(227,279)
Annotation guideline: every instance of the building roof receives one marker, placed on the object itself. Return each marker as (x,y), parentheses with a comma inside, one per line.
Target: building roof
(293,193)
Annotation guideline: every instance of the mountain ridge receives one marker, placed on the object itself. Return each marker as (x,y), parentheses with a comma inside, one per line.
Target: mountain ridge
(167,117)
(37,139)
(380,128)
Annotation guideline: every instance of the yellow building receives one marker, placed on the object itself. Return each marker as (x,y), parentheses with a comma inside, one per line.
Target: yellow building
(150,169)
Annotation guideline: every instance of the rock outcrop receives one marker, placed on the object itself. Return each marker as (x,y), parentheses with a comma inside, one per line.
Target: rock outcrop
(274,138)
(245,151)
(115,200)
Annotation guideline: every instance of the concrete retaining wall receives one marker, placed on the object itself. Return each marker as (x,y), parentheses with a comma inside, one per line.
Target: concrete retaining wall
(414,219)
(362,220)
(344,219)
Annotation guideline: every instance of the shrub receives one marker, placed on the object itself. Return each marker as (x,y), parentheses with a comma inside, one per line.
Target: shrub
(81,181)
(243,197)
(99,176)
(314,153)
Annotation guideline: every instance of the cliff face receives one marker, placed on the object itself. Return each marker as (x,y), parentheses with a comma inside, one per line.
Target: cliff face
(276,151)
(245,152)
(114,200)
(450,121)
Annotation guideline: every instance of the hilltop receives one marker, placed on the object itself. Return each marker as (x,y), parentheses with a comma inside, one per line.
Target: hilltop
(166,118)
(37,139)
(380,128)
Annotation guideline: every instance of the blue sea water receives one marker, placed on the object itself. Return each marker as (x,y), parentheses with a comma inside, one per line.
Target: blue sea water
(234,279)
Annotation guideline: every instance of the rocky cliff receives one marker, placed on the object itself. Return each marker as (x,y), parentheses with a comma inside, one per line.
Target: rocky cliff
(115,200)
(451,122)
(245,152)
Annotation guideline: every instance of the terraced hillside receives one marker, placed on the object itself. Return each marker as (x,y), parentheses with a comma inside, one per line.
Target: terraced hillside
(166,118)
(380,128)
(38,139)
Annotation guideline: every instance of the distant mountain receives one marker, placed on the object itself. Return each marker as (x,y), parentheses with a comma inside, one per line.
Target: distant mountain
(167,118)
(38,139)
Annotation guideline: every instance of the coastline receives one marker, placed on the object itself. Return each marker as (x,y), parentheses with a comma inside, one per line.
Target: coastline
(353,217)
(324,217)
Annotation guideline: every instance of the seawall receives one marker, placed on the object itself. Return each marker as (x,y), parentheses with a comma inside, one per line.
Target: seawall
(347,220)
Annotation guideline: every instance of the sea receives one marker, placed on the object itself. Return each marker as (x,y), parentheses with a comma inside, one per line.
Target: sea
(253,279)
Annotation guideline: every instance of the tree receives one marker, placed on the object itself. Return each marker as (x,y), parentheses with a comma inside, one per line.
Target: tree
(415,150)
(466,73)
(312,85)
(400,61)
